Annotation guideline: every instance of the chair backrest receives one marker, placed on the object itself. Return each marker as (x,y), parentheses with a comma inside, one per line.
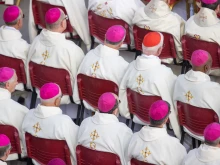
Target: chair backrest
(139,105)
(13,135)
(43,150)
(190,44)
(98,26)
(195,119)
(86,156)
(137,162)
(169,50)
(39,11)
(41,74)
(90,88)
(16,64)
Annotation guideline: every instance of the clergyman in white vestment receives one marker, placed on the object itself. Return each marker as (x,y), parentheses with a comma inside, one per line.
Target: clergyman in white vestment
(11,42)
(147,76)
(196,88)
(8,2)
(12,113)
(104,61)
(5,148)
(78,16)
(152,143)
(51,48)
(103,131)
(47,121)
(157,16)
(208,153)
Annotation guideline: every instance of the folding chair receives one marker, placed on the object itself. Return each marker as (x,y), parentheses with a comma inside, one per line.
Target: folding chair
(137,162)
(86,156)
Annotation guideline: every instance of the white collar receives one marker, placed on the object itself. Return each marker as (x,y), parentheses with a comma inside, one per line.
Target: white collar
(196,76)
(103,118)
(9,33)
(4,94)
(150,56)
(206,153)
(105,51)
(45,112)
(10,28)
(144,63)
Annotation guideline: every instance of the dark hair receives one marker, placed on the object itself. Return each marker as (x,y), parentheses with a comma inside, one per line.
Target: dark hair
(112,110)
(211,6)
(113,43)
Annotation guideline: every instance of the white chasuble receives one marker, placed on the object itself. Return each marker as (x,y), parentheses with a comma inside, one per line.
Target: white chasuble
(8,2)
(77,14)
(52,49)
(147,76)
(154,145)
(157,16)
(12,113)
(104,132)
(204,155)
(50,123)
(2,162)
(102,62)
(12,45)
(195,88)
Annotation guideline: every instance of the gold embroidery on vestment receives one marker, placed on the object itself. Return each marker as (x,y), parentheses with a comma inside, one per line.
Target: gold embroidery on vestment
(153,8)
(145,153)
(95,67)
(189,96)
(45,56)
(93,135)
(203,17)
(139,80)
(37,128)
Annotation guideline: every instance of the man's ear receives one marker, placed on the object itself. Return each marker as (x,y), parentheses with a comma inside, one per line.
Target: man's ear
(7,85)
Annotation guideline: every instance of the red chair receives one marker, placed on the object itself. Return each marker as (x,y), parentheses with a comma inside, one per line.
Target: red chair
(190,117)
(13,135)
(169,50)
(98,26)
(39,11)
(139,105)
(90,89)
(190,44)
(17,65)
(86,156)
(137,162)
(43,150)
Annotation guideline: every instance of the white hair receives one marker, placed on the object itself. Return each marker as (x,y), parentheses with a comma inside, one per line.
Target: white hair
(12,79)
(52,100)
(154,49)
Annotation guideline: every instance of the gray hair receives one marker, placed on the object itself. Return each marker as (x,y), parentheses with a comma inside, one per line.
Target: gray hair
(213,143)
(15,21)
(116,43)
(12,79)
(4,149)
(56,24)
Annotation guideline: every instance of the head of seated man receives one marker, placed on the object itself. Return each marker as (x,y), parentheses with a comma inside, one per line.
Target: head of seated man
(159,113)
(115,36)
(201,61)
(8,79)
(211,4)
(5,147)
(13,16)
(108,104)
(50,95)
(212,135)
(56,161)
(153,44)
(56,20)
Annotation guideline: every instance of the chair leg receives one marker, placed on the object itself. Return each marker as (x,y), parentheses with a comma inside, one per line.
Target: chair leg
(127,122)
(33,100)
(132,125)
(29,161)
(81,114)
(138,52)
(199,143)
(93,42)
(78,114)
(183,67)
(194,142)
(182,136)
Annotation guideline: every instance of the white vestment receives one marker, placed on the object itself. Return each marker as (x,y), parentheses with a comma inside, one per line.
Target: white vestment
(52,49)
(77,14)
(12,45)
(195,88)
(102,62)
(157,16)
(8,2)
(148,76)
(204,155)
(50,123)
(104,132)
(156,146)
(12,113)
(2,163)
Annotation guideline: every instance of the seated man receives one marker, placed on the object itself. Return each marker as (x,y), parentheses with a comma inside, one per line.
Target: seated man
(152,143)
(56,161)
(110,134)
(47,121)
(12,113)
(52,49)
(5,148)
(157,16)
(147,76)
(208,153)
(11,42)
(78,16)
(104,61)
(195,87)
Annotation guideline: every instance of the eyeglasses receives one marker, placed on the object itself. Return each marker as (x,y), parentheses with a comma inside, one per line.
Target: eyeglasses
(66,17)
(23,16)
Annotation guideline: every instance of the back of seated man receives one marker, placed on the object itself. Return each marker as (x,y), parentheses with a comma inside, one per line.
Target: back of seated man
(104,61)
(47,121)
(12,113)
(196,88)
(157,16)
(208,153)
(51,48)
(11,42)
(103,131)
(152,143)
(5,148)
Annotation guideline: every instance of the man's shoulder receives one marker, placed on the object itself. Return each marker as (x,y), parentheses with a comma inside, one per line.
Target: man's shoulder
(15,104)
